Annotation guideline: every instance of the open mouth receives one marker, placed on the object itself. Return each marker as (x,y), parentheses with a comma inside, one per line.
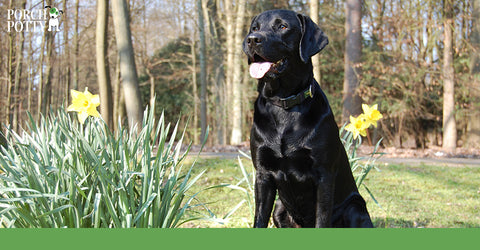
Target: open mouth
(258,58)
(259,67)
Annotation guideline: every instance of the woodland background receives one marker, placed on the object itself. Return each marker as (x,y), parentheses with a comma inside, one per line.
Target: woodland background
(418,60)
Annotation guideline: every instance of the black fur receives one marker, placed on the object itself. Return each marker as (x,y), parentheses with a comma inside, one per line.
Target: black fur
(297,151)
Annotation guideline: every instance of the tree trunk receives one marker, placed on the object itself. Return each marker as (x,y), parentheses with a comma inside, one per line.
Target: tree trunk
(217,65)
(230,35)
(47,87)
(119,100)
(75,47)
(9,102)
(104,84)
(40,74)
(449,125)
(236,137)
(30,66)
(194,90)
(66,53)
(353,52)
(3,141)
(128,69)
(314,15)
(18,72)
(15,98)
(203,72)
(473,127)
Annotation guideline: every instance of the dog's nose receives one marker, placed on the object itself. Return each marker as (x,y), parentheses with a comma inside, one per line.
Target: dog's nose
(254,39)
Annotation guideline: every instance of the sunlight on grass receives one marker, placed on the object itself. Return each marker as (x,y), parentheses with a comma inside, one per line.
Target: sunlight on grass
(419,196)
(221,200)
(426,196)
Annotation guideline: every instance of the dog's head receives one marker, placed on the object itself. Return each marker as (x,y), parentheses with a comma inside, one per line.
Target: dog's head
(278,37)
(54,12)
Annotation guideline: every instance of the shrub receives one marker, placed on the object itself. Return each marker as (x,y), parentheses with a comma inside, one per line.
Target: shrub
(61,173)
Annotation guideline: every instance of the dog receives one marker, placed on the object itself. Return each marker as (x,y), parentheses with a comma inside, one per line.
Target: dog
(294,141)
(53,23)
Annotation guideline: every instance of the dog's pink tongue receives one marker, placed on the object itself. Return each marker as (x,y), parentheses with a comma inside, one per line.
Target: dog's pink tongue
(258,70)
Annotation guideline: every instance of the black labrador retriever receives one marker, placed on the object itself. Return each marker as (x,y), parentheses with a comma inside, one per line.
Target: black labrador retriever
(295,144)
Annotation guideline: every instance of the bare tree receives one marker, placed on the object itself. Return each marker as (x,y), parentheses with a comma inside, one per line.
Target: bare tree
(449,125)
(473,133)
(203,71)
(194,88)
(314,15)
(353,52)
(47,86)
(66,51)
(104,84)
(219,74)
(10,58)
(40,87)
(236,137)
(18,72)
(75,45)
(229,37)
(128,69)
(30,66)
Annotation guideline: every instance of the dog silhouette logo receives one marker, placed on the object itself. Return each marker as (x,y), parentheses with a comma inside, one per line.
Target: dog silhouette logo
(54,23)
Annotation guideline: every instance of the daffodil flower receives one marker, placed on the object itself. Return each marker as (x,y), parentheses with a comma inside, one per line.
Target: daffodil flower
(372,115)
(358,126)
(85,104)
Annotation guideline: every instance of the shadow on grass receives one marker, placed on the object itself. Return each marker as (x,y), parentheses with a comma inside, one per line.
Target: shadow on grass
(398,223)
(402,223)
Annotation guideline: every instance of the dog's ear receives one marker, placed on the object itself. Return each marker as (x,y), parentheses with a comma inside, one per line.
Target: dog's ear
(313,39)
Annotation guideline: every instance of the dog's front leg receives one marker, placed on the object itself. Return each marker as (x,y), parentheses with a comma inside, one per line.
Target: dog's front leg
(264,198)
(324,206)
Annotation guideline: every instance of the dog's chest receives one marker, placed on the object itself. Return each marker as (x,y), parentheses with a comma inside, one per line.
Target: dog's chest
(287,160)
(282,142)
(294,173)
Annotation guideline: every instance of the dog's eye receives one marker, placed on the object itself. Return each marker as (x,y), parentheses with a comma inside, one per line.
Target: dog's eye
(282,27)
(254,28)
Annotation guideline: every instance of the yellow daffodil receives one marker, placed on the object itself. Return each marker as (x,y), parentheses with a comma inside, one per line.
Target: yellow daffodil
(372,115)
(85,104)
(358,126)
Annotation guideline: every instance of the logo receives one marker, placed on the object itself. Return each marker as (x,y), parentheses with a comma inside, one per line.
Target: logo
(53,23)
(20,20)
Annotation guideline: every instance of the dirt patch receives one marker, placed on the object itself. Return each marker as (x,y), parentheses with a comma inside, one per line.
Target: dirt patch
(390,152)
(432,152)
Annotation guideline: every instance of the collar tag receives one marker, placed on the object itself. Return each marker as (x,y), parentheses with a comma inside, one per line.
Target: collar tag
(308,93)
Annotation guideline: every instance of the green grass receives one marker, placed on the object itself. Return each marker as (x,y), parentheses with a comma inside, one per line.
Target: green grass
(426,196)
(221,201)
(410,196)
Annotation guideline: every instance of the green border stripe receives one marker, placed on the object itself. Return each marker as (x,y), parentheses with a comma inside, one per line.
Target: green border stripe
(237,238)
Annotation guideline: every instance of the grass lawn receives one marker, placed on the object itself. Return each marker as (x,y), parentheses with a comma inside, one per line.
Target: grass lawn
(410,196)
